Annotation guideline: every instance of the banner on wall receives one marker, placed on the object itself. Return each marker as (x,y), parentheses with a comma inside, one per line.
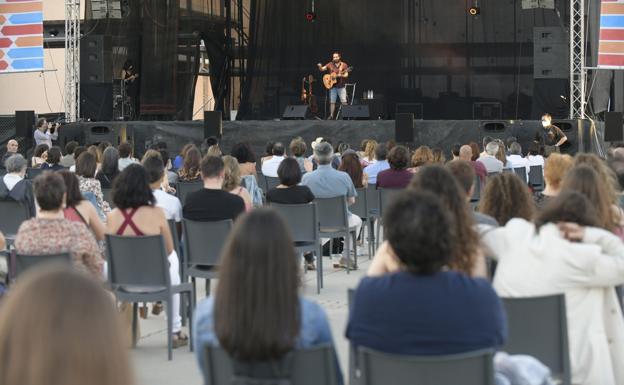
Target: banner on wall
(21,36)
(611,46)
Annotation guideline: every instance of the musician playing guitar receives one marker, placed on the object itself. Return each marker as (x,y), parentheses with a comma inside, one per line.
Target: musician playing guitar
(338,70)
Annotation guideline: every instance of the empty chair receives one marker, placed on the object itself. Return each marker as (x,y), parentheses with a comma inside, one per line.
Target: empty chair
(521,172)
(536,178)
(472,368)
(138,271)
(303,222)
(361,209)
(311,366)
(184,188)
(18,263)
(271,182)
(13,214)
(334,222)
(545,336)
(32,173)
(203,242)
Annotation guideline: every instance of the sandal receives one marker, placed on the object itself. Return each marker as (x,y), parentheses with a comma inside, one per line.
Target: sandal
(143,311)
(180,339)
(157,308)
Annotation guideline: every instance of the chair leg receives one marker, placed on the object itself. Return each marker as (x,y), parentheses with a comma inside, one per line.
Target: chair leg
(191,308)
(347,239)
(355,263)
(169,328)
(135,323)
(207,288)
(371,237)
(319,265)
(319,272)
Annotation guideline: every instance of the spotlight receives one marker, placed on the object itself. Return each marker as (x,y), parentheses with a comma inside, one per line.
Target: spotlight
(310,16)
(53,32)
(474,10)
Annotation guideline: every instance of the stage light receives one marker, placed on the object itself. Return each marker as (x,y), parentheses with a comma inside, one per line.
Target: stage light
(474,11)
(310,16)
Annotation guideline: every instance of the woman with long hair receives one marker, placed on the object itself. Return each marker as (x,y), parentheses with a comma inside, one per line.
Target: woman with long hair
(259,258)
(438,156)
(190,168)
(110,167)
(59,327)
(369,153)
(555,169)
(40,155)
(78,209)
(423,156)
(352,166)
(86,166)
(506,196)
(475,151)
(232,181)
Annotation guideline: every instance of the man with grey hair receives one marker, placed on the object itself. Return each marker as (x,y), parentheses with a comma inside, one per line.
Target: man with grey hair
(13,186)
(326,182)
(489,159)
(516,160)
(11,149)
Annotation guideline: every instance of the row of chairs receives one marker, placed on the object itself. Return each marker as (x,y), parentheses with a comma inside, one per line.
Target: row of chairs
(535,181)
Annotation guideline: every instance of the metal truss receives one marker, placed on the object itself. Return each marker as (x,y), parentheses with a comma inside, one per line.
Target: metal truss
(577,59)
(72,60)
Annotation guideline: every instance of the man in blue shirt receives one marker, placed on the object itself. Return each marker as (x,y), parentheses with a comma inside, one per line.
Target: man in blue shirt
(381,152)
(424,308)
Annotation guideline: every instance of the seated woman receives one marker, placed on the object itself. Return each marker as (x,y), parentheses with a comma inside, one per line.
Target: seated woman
(51,233)
(423,308)
(53,160)
(110,167)
(86,165)
(247,163)
(259,258)
(78,209)
(555,169)
(289,191)
(232,181)
(564,252)
(423,156)
(39,156)
(14,186)
(351,165)
(398,176)
(137,215)
(506,196)
(190,167)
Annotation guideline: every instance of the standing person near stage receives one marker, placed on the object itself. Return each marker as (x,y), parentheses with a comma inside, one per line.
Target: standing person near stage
(550,136)
(338,69)
(46,132)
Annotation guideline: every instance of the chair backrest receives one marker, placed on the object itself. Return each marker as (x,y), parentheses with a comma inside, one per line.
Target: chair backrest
(476,195)
(521,172)
(32,173)
(492,174)
(312,366)
(23,262)
(262,182)
(360,207)
(175,236)
(302,220)
(332,212)
(536,177)
(372,198)
(13,214)
(271,182)
(385,197)
(108,196)
(137,261)
(203,241)
(184,188)
(544,335)
(472,368)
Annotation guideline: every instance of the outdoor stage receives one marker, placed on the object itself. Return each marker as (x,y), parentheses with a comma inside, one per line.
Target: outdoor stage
(434,133)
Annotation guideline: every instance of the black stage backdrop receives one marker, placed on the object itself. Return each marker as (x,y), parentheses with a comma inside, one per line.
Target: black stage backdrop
(429,51)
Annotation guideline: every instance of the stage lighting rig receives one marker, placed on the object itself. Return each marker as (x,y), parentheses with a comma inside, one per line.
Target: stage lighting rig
(311,14)
(474,10)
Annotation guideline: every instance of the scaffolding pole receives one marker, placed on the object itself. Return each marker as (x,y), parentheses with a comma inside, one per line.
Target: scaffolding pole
(577,60)
(72,60)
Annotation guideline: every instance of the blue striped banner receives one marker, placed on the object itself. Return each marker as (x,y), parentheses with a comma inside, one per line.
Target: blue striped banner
(27,64)
(612,21)
(22,53)
(26,18)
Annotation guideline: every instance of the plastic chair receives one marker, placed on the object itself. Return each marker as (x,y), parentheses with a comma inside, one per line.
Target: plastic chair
(372,198)
(203,242)
(271,182)
(334,223)
(13,214)
(536,178)
(361,209)
(544,335)
(19,263)
(185,188)
(472,368)
(108,196)
(32,173)
(303,224)
(312,366)
(521,172)
(385,197)
(138,271)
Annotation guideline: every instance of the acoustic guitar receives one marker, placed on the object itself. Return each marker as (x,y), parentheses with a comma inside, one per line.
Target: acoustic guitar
(329,80)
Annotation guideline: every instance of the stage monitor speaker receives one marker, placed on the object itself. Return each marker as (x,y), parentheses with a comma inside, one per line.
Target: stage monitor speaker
(404,127)
(614,127)
(296,112)
(96,59)
(24,124)
(356,111)
(96,101)
(213,124)
(95,134)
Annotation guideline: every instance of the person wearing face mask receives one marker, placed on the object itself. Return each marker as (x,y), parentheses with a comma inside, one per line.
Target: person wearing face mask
(550,136)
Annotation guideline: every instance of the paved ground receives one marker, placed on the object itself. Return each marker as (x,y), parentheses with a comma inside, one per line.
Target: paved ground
(150,356)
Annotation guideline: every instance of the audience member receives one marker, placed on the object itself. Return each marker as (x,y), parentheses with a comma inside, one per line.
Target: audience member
(297,151)
(170,204)
(455,151)
(342,148)
(93,150)
(259,258)
(397,176)
(489,160)
(77,152)
(438,156)
(39,155)
(78,209)
(137,215)
(422,308)
(369,153)
(508,142)
(475,151)
(179,159)
(555,169)
(207,143)
(45,133)
(486,140)
(506,196)
(110,167)
(423,156)
(270,165)
(565,253)
(534,157)
(68,159)
(268,152)
(607,177)
(190,171)
(289,191)
(466,154)
(352,166)
(126,152)
(335,162)
(13,186)
(53,159)
(214,150)
(101,147)
(211,203)
(11,149)
(89,186)
(232,181)
(171,176)
(502,155)
(51,233)
(381,164)
(464,173)
(60,328)
(515,157)
(245,157)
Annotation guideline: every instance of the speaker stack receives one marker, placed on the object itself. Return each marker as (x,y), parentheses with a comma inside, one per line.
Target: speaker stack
(404,127)
(96,78)
(213,124)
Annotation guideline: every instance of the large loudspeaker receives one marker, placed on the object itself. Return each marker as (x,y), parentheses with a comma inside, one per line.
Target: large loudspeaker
(24,123)
(96,59)
(96,101)
(550,53)
(614,127)
(297,112)
(357,111)
(213,125)
(404,127)
(102,133)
